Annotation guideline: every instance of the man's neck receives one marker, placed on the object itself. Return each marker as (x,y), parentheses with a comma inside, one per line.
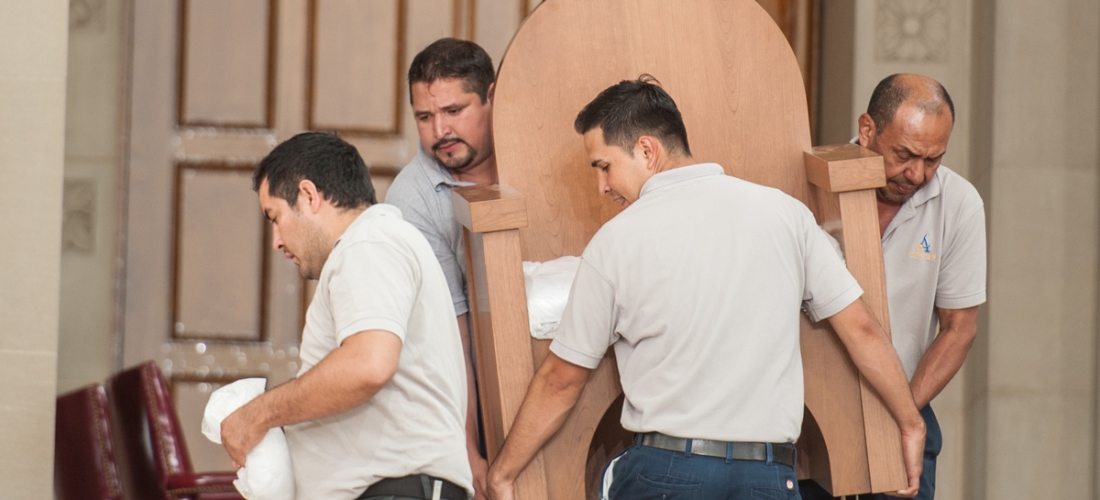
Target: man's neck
(481,174)
(340,223)
(886,213)
(672,162)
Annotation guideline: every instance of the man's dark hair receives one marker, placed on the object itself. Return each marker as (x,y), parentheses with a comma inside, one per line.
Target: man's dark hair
(332,164)
(632,108)
(892,92)
(452,58)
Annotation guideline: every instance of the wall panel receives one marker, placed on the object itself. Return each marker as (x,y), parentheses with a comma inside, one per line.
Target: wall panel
(352,89)
(225,62)
(219,233)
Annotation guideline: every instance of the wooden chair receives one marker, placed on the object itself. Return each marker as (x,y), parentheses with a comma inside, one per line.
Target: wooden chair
(738,86)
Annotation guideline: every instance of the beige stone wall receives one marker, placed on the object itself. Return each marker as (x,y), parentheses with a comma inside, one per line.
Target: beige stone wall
(1045,123)
(89,238)
(32,126)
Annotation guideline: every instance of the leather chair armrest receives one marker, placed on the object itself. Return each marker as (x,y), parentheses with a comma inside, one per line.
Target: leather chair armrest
(204,486)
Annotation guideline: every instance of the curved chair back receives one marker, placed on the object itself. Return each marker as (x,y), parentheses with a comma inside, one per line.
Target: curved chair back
(151,448)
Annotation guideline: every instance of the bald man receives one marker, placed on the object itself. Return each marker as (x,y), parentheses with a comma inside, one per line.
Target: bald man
(932,223)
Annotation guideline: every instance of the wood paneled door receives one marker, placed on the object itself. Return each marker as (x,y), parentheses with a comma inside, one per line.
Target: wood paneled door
(213,86)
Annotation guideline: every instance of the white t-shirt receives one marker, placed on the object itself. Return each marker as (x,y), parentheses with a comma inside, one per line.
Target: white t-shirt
(934,254)
(699,285)
(383,275)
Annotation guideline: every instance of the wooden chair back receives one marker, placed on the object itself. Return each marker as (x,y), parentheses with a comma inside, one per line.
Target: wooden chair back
(738,86)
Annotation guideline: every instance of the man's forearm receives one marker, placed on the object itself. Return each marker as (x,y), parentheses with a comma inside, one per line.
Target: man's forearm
(944,358)
(877,361)
(550,397)
(349,376)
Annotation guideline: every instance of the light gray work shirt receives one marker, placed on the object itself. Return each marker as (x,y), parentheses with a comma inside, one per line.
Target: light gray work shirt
(700,285)
(381,275)
(423,193)
(934,254)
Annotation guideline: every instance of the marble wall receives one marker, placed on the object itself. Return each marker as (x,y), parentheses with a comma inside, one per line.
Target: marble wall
(33,49)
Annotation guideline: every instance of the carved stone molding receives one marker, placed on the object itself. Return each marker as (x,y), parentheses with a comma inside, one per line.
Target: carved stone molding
(78,217)
(87,16)
(911,31)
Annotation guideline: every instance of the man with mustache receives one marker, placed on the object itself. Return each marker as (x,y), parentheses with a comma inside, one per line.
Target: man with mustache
(932,223)
(451,90)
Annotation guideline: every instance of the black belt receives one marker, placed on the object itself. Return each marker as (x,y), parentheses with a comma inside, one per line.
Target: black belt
(782,453)
(418,486)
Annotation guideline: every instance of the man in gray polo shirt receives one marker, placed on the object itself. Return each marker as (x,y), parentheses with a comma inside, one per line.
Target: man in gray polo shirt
(933,242)
(451,89)
(699,285)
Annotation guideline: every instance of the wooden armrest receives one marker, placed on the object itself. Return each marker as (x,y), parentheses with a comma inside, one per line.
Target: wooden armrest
(483,209)
(838,168)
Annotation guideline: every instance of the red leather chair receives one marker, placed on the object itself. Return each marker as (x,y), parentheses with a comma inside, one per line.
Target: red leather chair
(152,454)
(84,462)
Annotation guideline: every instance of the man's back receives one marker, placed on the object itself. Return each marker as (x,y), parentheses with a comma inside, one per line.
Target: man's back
(707,274)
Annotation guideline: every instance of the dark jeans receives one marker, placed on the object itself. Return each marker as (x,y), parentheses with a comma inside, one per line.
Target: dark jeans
(643,473)
(933,443)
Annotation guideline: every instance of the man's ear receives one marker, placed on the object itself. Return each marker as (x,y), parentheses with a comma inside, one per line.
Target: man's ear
(867,130)
(489,93)
(648,147)
(308,194)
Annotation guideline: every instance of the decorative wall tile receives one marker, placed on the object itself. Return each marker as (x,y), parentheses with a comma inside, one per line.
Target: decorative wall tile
(911,31)
(78,217)
(88,16)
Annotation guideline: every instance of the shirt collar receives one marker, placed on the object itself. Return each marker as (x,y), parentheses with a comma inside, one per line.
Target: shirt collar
(372,212)
(436,173)
(667,178)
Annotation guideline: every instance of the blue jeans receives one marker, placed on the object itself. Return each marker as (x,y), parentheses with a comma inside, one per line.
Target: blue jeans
(933,443)
(643,473)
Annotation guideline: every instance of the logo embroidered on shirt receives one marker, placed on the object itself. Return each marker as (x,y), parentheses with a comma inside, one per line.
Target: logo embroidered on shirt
(924,250)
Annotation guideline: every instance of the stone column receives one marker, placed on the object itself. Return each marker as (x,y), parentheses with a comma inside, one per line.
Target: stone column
(33,44)
(1039,94)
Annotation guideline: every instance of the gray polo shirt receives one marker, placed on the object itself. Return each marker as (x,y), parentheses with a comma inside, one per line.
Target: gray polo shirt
(382,275)
(934,253)
(423,193)
(699,286)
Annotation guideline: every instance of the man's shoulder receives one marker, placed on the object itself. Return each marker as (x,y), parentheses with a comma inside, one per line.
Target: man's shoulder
(956,192)
(385,224)
(412,180)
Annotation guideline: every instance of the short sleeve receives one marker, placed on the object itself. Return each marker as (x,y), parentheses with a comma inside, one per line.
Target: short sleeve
(373,287)
(587,326)
(829,286)
(962,266)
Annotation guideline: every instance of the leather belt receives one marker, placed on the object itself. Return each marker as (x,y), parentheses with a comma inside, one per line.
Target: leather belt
(417,486)
(782,453)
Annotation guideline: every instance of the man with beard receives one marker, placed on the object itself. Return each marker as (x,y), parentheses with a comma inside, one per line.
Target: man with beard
(377,409)
(451,89)
(932,223)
